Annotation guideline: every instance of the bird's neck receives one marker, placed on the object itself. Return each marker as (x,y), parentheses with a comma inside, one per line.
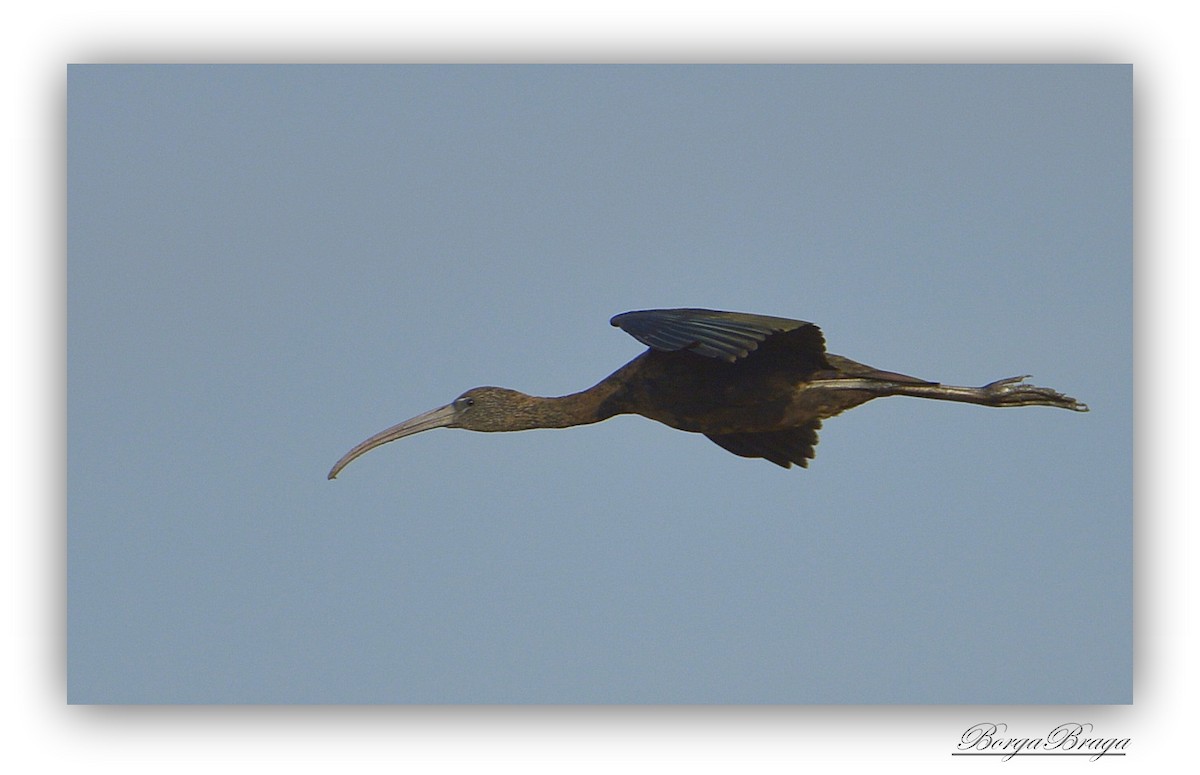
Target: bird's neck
(583,408)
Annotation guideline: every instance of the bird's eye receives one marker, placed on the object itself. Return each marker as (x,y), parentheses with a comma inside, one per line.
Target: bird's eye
(464,402)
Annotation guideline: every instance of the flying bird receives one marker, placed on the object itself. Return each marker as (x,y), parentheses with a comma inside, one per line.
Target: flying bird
(756,385)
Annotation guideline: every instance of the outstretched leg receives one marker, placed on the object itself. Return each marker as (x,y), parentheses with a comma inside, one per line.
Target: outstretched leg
(1003,392)
(1013,391)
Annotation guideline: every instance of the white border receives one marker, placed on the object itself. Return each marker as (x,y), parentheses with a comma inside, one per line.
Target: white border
(1157,37)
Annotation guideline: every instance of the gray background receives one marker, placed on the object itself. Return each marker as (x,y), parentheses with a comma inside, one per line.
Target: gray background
(268,264)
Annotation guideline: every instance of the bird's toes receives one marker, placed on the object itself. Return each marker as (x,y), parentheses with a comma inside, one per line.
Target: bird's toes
(1002,384)
(1014,392)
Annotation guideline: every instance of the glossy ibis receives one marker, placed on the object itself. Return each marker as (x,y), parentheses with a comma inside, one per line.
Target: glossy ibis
(758,386)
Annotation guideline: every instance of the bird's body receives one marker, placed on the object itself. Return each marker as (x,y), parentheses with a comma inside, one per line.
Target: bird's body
(756,385)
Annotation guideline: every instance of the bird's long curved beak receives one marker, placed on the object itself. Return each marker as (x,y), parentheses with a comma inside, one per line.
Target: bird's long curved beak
(437,418)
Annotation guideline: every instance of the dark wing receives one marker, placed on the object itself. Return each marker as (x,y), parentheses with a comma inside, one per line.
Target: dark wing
(714,334)
(794,445)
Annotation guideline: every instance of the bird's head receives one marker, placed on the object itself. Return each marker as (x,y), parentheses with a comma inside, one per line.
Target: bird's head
(491,409)
(478,409)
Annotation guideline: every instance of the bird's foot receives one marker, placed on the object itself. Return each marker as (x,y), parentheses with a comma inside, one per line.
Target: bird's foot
(1014,392)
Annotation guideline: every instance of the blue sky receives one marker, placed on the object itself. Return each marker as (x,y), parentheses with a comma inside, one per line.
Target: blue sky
(268,264)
